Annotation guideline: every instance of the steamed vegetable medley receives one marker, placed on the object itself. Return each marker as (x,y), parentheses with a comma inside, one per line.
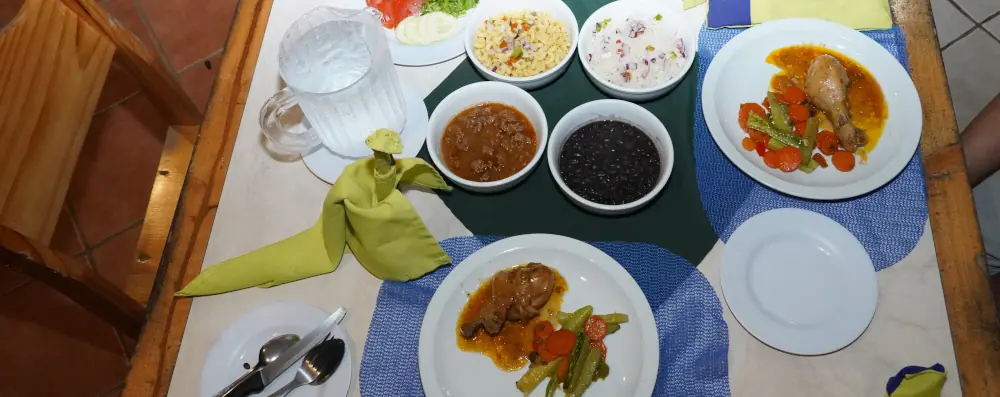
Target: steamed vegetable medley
(573,356)
(784,130)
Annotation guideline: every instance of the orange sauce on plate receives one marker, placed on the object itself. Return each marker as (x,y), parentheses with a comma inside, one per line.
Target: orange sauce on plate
(509,349)
(867,103)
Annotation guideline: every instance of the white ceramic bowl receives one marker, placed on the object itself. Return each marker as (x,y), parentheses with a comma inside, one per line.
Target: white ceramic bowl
(604,109)
(671,17)
(483,92)
(490,8)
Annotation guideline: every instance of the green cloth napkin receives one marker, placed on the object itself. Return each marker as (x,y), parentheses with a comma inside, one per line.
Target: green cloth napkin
(363,211)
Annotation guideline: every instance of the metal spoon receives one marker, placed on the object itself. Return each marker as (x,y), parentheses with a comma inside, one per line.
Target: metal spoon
(320,362)
(273,349)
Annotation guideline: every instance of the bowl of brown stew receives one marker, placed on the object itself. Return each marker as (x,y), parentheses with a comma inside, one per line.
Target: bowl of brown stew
(610,157)
(487,136)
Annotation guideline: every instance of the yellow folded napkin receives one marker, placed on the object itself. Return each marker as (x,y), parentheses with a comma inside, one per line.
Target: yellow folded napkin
(858,14)
(363,211)
(917,381)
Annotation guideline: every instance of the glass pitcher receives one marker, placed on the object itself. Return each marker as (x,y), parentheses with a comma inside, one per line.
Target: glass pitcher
(338,70)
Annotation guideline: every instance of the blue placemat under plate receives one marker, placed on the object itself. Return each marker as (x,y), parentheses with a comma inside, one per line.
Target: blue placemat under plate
(888,221)
(694,339)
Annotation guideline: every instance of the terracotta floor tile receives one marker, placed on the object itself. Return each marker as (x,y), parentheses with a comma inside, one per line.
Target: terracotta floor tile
(116,261)
(65,238)
(120,84)
(40,328)
(190,30)
(114,175)
(197,81)
(11,279)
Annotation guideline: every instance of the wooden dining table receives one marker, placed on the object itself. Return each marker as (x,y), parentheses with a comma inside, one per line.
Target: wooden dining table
(225,197)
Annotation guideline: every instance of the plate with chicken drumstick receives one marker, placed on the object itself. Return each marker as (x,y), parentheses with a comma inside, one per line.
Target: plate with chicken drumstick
(812,108)
(538,315)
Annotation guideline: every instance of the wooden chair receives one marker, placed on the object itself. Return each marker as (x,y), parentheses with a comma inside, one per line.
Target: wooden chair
(54,58)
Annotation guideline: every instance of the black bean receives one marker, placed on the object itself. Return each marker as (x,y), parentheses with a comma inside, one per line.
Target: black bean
(609,162)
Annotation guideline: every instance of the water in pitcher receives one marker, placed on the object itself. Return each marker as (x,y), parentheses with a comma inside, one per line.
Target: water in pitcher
(345,82)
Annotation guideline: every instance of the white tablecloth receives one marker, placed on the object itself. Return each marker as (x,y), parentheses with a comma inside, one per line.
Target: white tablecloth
(265,200)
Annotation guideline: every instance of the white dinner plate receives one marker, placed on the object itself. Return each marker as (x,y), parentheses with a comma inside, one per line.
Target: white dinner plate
(423,55)
(593,277)
(799,282)
(241,341)
(328,166)
(740,74)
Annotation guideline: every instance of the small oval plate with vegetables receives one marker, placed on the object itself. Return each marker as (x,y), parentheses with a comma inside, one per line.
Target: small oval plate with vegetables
(812,108)
(424,32)
(581,328)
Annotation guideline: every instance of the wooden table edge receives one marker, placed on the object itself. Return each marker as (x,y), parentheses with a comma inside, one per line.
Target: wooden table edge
(971,312)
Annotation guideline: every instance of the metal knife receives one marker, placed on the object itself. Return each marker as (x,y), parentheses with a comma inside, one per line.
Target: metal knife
(255,381)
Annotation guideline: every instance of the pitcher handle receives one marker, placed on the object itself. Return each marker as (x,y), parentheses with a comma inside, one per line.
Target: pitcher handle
(297,137)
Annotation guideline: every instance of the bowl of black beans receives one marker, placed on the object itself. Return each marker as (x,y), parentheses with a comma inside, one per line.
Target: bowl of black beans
(610,157)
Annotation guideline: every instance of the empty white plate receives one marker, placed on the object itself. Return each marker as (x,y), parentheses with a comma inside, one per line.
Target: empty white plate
(241,341)
(799,281)
(593,278)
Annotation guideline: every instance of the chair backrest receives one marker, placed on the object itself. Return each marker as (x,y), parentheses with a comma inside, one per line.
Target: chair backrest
(52,68)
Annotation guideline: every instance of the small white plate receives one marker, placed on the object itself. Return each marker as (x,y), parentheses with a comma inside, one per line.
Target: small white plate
(799,282)
(739,73)
(594,278)
(424,55)
(241,342)
(328,166)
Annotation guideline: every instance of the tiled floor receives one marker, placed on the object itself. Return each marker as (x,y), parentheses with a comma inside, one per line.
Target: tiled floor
(107,199)
(108,195)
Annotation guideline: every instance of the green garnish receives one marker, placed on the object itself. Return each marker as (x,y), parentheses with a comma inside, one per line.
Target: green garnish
(456,8)
(650,48)
(673,55)
(658,17)
(601,25)
(517,52)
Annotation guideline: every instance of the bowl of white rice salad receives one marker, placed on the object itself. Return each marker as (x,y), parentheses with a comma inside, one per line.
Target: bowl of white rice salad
(636,50)
(527,43)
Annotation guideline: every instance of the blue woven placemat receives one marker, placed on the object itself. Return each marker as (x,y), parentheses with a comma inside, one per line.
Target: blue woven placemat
(888,221)
(694,339)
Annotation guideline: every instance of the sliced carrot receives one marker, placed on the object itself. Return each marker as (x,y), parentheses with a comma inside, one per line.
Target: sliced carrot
(745,110)
(600,345)
(563,369)
(596,328)
(561,342)
(827,142)
(800,129)
(758,136)
(781,98)
(543,329)
(843,160)
(546,355)
(771,159)
(798,113)
(766,105)
(794,94)
(820,159)
(748,144)
(789,158)
(537,343)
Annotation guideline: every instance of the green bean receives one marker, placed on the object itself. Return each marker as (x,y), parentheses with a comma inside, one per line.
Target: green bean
(587,369)
(580,350)
(535,375)
(574,322)
(809,140)
(760,124)
(774,145)
(809,167)
(550,390)
(603,370)
(779,113)
(612,328)
(614,318)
